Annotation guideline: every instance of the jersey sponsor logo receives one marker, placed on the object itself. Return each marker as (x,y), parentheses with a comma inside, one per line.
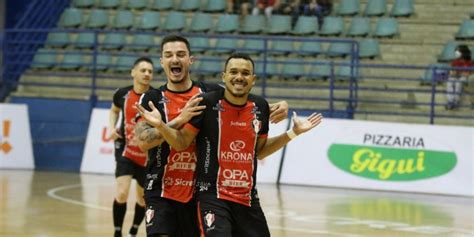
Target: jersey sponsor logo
(150,185)
(235,178)
(256,125)
(168,181)
(164,100)
(237,145)
(183,161)
(182,182)
(218,107)
(255,110)
(238,123)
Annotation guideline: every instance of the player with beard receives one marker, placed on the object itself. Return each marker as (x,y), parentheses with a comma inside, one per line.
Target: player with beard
(170,173)
(231,134)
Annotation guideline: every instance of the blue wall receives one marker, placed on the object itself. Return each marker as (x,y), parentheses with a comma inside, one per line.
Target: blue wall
(58,130)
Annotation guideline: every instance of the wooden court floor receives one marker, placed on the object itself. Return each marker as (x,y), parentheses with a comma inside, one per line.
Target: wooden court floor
(47,204)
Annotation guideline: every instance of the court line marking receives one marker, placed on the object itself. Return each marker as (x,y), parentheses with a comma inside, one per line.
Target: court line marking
(309,231)
(52,194)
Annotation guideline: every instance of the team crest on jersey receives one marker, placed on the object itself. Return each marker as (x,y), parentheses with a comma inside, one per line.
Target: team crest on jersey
(150,213)
(209,219)
(256,125)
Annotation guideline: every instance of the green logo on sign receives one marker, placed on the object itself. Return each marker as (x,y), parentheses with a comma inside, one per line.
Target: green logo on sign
(391,164)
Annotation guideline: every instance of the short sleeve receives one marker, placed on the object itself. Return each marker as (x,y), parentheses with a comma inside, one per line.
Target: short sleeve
(265,117)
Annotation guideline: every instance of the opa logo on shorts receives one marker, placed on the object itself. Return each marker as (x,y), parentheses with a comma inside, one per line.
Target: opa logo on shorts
(237,145)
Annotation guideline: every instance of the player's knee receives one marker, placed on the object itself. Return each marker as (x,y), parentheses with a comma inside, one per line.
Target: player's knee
(122,195)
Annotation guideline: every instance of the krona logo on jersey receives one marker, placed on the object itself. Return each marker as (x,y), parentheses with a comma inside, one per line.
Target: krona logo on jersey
(395,163)
(5,146)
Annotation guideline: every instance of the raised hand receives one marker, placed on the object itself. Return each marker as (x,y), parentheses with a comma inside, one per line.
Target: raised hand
(303,125)
(152,117)
(278,111)
(191,109)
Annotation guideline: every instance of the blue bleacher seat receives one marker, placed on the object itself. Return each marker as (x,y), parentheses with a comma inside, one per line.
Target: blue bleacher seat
(279,47)
(227,23)
(201,22)
(369,48)
(253,24)
(44,59)
(109,3)
(124,63)
(375,8)
(310,48)
(83,3)
(320,70)
(175,21)
(386,27)
(137,4)
(293,68)
(58,39)
(103,61)
(142,42)
(199,44)
(114,41)
(162,5)
(98,18)
(466,30)
(360,26)
(345,71)
(85,40)
(72,60)
(435,73)
(339,49)
(332,26)
(215,5)
(279,24)
(225,45)
(348,7)
(189,5)
(306,25)
(447,54)
(253,46)
(210,66)
(71,17)
(149,20)
(402,8)
(272,67)
(123,19)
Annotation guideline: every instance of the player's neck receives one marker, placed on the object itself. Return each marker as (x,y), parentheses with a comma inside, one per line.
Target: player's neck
(234,99)
(184,85)
(140,88)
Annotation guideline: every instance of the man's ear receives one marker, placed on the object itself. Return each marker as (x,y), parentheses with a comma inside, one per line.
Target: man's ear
(191,59)
(222,76)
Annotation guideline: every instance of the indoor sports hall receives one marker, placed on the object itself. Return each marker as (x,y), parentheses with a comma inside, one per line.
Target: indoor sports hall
(393,79)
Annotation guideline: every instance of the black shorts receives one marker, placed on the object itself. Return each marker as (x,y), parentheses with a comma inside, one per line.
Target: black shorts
(224,218)
(119,145)
(126,166)
(167,217)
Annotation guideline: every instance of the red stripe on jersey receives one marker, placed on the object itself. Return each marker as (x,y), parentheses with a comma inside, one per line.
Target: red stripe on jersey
(179,171)
(238,130)
(131,150)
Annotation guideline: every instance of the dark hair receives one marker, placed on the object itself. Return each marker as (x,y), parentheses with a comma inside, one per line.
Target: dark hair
(242,56)
(143,59)
(465,52)
(174,38)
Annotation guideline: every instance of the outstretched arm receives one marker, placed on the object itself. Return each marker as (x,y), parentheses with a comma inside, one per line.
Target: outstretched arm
(178,139)
(267,147)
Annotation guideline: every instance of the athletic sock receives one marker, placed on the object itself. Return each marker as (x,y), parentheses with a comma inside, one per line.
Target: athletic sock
(118,211)
(137,219)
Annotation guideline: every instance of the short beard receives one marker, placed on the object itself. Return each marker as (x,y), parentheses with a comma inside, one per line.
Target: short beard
(177,82)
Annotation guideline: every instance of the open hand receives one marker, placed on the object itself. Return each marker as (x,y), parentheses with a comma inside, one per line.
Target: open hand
(303,125)
(192,108)
(278,111)
(152,117)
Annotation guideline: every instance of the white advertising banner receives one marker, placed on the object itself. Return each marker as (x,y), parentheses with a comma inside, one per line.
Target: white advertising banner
(267,170)
(98,156)
(16,149)
(383,156)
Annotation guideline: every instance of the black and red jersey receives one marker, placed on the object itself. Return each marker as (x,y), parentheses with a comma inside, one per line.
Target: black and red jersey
(126,98)
(172,172)
(227,146)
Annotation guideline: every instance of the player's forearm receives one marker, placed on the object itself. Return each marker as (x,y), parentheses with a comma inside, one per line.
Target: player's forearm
(272,145)
(173,137)
(113,117)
